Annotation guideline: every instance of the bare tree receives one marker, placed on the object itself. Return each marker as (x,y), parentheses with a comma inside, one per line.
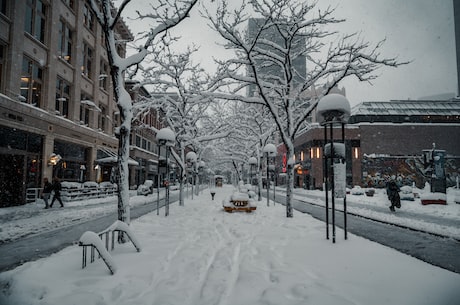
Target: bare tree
(272,57)
(178,84)
(165,14)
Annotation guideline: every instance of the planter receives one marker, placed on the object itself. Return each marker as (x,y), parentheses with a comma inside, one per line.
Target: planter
(370,193)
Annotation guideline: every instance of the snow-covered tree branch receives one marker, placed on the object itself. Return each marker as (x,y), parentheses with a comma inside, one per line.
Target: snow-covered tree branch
(287,59)
(164,16)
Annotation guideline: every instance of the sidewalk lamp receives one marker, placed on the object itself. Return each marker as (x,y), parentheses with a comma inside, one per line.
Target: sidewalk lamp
(201,166)
(165,137)
(191,158)
(270,151)
(252,168)
(333,109)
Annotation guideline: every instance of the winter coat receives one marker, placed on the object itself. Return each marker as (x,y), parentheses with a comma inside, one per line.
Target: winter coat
(57,188)
(393,191)
(48,188)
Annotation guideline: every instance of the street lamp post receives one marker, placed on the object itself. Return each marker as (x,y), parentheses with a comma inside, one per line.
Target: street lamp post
(201,166)
(252,165)
(333,109)
(165,137)
(270,151)
(191,157)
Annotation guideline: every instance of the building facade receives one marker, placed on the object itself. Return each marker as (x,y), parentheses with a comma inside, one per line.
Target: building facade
(385,139)
(57,110)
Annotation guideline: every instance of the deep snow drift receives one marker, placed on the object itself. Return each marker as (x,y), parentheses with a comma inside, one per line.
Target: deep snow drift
(201,255)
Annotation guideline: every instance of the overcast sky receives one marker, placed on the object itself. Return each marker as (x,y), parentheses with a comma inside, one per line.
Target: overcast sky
(417,30)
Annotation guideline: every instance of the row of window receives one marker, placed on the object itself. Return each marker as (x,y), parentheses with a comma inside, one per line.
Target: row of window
(32,80)
(36,16)
(144,143)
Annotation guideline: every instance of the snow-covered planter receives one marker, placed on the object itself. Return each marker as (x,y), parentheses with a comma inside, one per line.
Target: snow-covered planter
(239,201)
(433,198)
(370,192)
(407,193)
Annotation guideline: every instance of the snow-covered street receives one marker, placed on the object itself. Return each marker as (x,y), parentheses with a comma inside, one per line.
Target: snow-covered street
(202,255)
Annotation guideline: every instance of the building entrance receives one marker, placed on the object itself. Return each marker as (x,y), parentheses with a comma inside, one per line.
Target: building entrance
(11,179)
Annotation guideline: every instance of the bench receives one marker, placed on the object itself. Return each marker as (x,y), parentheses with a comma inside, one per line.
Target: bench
(239,206)
(95,243)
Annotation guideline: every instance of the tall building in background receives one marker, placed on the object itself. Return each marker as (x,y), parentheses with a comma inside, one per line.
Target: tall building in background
(272,72)
(457,40)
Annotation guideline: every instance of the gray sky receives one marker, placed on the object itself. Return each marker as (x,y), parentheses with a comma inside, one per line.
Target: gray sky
(417,30)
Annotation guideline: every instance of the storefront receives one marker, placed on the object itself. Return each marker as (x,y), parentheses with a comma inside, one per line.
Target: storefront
(72,165)
(20,164)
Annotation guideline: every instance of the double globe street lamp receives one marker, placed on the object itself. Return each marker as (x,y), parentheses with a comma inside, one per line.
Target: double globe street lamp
(334,109)
(270,151)
(191,158)
(167,138)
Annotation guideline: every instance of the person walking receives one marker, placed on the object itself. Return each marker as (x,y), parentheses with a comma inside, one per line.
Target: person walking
(393,195)
(57,192)
(46,193)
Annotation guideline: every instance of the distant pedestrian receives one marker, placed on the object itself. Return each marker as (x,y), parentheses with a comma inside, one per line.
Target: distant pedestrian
(46,193)
(393,195)
(57,191)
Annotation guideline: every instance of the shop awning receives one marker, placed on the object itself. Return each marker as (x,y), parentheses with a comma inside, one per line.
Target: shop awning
(112,157)
(114,160)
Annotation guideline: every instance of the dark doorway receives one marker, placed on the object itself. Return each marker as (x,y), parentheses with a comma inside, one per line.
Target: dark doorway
(11,180)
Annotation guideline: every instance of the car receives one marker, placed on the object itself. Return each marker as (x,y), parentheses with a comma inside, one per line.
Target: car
(357,190)
(145,188)
(174,186)
(406,193)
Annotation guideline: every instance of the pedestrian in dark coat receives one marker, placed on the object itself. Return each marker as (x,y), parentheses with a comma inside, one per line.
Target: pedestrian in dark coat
(57,191)
(393,195)
(46,193)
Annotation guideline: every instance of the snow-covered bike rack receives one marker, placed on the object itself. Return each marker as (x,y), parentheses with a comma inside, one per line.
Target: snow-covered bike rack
(95,241)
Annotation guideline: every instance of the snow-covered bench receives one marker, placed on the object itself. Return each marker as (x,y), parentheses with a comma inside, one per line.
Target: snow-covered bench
(95,242)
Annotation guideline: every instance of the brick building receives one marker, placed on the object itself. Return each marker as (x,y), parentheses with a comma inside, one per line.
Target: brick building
(384,139)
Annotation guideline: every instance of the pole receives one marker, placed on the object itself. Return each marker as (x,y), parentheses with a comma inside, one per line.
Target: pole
(332,183)
(268,184)
(167,184)
(345,196)
(325,181)
(158,181)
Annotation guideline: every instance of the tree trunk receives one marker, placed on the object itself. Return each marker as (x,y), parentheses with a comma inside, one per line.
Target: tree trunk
(183,171)
(290,183)
(123,174)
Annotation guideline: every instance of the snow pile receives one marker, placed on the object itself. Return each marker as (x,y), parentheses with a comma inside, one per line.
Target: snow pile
(202,255)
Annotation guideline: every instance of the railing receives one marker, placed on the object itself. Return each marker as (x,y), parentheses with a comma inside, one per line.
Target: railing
(76,191)
(96,243)
(32,194)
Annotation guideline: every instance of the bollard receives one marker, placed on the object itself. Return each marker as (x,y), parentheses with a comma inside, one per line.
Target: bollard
(212,195)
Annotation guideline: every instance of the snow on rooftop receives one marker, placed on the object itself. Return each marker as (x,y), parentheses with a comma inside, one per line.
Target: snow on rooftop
(408,107)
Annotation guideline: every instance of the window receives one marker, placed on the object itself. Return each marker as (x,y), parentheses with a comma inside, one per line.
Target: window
(35,19)
(4,7)
(102,118)
(65,42)
(87,64)
(2,64)
(104,75)
(85,109)
(88,17)
(31,82)
(69,3)
(62,97)
(115,118)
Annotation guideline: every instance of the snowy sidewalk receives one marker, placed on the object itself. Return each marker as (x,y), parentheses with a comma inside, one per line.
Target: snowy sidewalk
(202,255)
